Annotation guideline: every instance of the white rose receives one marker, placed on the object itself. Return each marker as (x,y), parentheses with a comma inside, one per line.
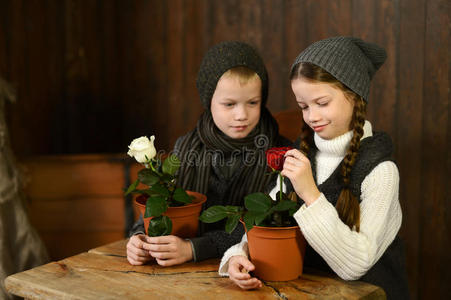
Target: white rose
(141,148)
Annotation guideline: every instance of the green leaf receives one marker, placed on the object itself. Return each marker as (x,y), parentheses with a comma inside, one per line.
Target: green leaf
(231,223)
(171,164)
(258,202)
(293,210)
(181,196)
(159,226)
(260,218)
(147,176)
(159,189)
(166,177)
(132,187)
(232,208)
(155,206)
(249,217)
(284,205)
(213,214)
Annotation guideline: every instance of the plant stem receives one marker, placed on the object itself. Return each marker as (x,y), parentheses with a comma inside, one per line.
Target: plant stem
(281,186)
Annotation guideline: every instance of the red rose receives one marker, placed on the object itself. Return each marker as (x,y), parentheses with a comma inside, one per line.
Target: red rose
(276,157)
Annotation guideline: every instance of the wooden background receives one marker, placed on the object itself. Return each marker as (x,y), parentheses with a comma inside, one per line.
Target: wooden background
(92,75)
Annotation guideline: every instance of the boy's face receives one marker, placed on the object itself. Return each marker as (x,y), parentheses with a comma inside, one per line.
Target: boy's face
(325,107)
(235,107)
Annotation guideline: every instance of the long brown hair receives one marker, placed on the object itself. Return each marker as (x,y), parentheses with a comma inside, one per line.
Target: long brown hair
(347,204)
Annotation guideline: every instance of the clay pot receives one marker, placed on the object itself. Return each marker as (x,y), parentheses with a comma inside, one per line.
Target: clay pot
(277,252)
(185,220)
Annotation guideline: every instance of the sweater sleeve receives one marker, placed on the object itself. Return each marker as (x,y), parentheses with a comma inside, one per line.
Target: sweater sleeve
(214,243)
(238,249)
(349,253)
(138,227)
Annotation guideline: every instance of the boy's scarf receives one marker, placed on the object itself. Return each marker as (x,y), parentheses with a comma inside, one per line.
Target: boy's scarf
(196,148)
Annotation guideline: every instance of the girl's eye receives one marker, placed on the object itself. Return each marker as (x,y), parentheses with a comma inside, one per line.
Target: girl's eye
(303,107)
(228,104)
(323,103)
(253,103)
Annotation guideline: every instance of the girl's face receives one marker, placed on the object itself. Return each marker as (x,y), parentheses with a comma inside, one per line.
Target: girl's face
(235,107)
(325,107)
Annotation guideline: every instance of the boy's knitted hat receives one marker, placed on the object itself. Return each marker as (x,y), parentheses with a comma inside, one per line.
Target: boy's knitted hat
(350,60)
(222,57)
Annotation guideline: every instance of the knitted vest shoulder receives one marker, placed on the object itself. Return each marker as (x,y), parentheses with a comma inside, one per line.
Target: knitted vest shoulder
(373,150)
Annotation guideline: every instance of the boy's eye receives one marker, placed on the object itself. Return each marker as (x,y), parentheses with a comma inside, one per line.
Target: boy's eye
(254,102)
(228,104)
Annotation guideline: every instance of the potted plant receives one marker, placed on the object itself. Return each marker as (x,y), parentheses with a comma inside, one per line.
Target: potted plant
(166,207)
(276,244)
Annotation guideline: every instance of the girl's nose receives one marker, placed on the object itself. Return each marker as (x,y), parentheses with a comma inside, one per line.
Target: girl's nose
(313,115)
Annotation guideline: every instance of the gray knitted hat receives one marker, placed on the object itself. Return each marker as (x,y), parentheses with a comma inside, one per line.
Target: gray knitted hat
(350,60)
(222,57)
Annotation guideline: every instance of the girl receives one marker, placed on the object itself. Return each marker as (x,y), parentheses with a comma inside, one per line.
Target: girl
(223,157)
(343,172)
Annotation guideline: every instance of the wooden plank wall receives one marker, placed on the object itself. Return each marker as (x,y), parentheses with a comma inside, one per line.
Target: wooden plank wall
(76,201)
(92,75)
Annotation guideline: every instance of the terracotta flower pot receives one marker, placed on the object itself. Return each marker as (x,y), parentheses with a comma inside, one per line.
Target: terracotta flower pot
(277,252)
(185,220)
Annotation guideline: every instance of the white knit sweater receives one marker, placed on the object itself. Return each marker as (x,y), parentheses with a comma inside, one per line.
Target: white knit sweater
(350,254)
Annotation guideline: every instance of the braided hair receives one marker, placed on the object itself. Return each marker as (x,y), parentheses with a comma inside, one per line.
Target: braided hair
(347,205)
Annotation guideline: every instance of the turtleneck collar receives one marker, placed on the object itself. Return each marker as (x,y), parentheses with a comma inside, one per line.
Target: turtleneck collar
(338,146)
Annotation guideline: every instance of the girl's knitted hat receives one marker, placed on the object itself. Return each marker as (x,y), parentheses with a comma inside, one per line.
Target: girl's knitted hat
(350,60)
(222,57)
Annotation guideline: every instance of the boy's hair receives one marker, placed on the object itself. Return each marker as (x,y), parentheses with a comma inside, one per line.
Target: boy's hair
(222,57)
(347,205)
(244,74)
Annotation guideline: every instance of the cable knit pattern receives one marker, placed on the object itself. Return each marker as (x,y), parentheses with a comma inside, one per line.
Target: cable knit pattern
(350,254)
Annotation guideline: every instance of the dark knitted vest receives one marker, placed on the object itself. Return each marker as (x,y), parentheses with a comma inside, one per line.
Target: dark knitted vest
(389,271)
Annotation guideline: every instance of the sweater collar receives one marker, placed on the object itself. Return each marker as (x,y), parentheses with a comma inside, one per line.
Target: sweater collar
(339,145)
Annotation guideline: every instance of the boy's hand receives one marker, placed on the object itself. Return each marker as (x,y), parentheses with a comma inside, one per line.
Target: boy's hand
(169,250)
(298,169)
(136,254)
(239,268)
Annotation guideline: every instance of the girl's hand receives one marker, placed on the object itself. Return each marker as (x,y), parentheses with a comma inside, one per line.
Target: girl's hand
(136,254)
(298,169)
(239,268)
(169,250)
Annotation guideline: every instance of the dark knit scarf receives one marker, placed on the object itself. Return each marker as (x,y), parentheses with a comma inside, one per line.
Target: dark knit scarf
(197,149)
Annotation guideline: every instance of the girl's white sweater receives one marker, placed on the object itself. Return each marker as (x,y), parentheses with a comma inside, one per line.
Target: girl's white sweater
(350,254)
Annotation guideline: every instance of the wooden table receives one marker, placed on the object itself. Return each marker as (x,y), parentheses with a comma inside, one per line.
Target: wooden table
(104,273)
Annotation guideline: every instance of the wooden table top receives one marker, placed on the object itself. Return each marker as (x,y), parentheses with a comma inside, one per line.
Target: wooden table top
(104,273)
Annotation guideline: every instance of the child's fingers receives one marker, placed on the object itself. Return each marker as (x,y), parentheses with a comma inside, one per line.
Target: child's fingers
(163,255)
(166,239)
(294,153)
(237,275)
(159,247)
(242,262)
(168,262)
(252,283)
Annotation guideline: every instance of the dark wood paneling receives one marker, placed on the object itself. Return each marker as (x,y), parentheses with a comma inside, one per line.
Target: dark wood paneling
(435,235)
(408,132)
(92,75)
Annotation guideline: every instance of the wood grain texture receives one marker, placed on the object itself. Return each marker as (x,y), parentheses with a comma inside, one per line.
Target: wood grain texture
(93,75)
(408,131)
(105,273)
(435,176)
